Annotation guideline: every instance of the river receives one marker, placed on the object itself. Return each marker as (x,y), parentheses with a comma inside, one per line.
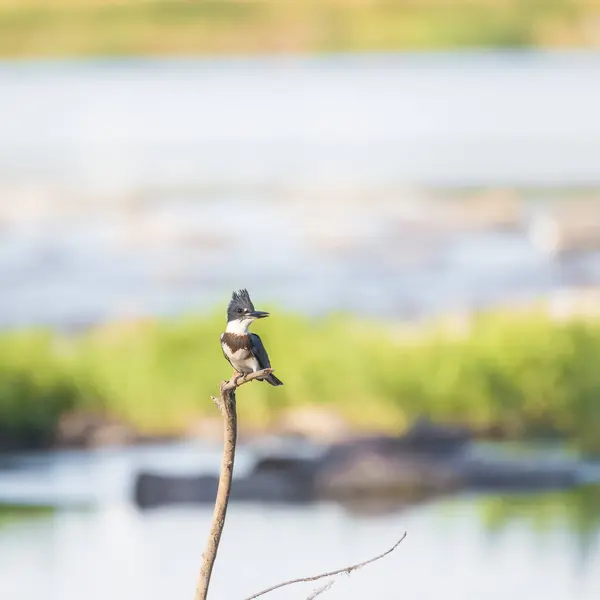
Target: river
(132,187)
(98,544)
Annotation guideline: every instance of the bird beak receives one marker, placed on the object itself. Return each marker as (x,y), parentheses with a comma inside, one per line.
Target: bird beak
(259,314)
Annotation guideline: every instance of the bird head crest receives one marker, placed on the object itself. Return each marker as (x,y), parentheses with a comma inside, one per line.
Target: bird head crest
(240,299)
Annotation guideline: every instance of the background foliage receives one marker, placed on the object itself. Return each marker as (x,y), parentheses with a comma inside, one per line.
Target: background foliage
(140,27)
(524,374)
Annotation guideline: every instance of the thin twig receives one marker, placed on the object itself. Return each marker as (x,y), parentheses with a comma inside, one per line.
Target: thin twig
(346,570)
(321,590)
(227,407)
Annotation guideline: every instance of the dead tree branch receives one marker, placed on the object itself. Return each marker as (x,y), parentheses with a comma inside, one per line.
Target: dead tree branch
(321,590)
(345,570)
(227,407)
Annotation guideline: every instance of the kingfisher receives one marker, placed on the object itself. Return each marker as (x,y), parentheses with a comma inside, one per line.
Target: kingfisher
(244,350)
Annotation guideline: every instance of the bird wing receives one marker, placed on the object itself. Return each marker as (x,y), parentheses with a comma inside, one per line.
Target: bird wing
(223,350)
(259,352)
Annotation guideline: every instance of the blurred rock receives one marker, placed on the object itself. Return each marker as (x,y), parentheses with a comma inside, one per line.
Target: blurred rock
(153,489)
(298,469)
(88,430)
(428,461)
(531,475)
(314,422)
(265,485)
(567,228)
(208,428)
(423,438)
(490,209)
(410,465)
(375,474)
(432,438)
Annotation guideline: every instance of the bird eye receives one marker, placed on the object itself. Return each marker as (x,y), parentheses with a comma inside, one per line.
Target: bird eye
(240,310)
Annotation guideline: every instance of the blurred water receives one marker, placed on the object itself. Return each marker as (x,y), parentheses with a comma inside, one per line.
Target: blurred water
(155,186)
(462,548)
(481,118)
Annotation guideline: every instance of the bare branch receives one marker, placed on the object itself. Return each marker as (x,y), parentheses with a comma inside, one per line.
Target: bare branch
(346,570)
(227,407)
(321,590)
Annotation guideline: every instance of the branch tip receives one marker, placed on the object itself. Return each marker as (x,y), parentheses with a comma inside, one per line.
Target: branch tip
(346,570)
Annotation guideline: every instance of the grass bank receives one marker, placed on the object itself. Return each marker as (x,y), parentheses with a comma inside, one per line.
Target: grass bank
(525,374)
(13,513)
(576,510)
(147,27)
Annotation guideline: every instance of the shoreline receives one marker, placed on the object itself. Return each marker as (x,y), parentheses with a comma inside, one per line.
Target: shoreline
(518,372)
(97,28)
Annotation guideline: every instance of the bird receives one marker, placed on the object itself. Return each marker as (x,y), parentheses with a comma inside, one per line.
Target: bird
(244,350)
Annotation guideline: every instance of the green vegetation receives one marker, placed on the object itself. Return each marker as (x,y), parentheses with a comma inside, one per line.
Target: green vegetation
(577,510)
(522,373)
(35,388)
(149,27)
(11,513)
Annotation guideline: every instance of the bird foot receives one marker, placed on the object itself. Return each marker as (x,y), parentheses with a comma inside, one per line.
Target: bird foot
(236,377)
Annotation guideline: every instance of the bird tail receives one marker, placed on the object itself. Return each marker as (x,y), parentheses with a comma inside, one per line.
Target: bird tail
(270,378)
